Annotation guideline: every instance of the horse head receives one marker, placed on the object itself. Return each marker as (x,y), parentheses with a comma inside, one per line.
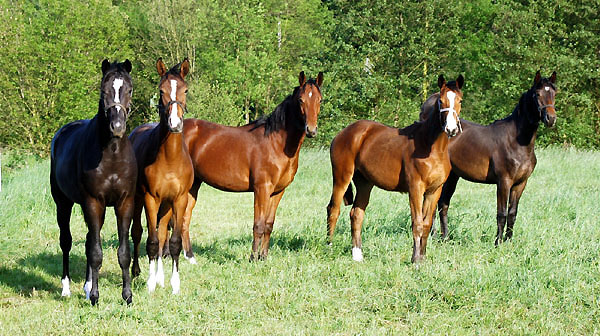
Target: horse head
(173,90)
(543,92)
(115,95)
(309,98)
(449,104)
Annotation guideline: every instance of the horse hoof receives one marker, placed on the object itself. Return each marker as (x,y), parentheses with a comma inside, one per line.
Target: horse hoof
(127,296)
(94,299)
(193,261)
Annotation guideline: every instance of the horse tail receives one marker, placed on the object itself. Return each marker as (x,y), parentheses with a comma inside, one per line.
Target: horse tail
(349,195)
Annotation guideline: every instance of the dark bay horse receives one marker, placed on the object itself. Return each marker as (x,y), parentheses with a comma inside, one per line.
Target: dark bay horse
(501,153)
(165,176)
(413,159)
(92,164)
(261,157)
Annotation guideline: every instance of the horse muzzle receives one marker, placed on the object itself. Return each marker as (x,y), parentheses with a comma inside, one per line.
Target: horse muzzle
(549,120)
(311,133)
(117,129)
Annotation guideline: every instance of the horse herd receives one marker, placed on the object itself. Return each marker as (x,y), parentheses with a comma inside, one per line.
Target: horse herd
(161,166)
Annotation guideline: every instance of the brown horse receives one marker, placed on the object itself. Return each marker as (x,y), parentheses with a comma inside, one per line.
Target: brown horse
(501,153)
(413,159)
(261,157)
(165,176)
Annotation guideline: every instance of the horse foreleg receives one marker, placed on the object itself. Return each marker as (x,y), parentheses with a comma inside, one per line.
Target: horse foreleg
(502,191)
(429,204)
(515,195)
(444,202)
(179,208)
(415,196)
(187,219)
(63,217)
(165,213)
(93,212)
(273,204)
(357,214)
(136,234)
(152,206)
(262,195)
(124,212)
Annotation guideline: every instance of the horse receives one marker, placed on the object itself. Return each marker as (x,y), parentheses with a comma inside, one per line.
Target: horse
(260,157)
(413,159)
(501,153)
(92,164)
(164,178)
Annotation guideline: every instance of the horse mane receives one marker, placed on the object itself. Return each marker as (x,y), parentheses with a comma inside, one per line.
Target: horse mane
(175,70)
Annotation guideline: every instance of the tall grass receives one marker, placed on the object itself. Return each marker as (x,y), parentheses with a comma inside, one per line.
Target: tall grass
(545,281)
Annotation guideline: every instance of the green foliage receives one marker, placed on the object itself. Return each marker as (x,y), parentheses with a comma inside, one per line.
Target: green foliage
(381,59)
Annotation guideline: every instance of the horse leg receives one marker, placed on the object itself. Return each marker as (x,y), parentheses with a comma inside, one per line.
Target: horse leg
(175,243)
(515,195)
(273,204)
(187,219)
(124,212)
(357,214)
(136,234)
(429,204)
(444,202)
(63,218)
(93,213)
(502,198)
(165,214)
(152,206)
(341,183)
(415,196)
(262,195)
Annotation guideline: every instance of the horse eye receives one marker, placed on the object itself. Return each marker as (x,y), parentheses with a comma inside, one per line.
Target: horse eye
(186,91)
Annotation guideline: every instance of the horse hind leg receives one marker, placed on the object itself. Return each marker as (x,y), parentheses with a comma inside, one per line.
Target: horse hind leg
(515,195)
(502,192)
(94,217)
(63,217)
(124,213)
(187,219)
(357,214)
(136,234)
(175,243)
(444,203)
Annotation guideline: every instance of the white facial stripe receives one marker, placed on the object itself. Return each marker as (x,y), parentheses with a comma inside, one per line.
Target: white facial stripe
(310,94)
(451,122)
(451,95)
(117,83)
(173,89)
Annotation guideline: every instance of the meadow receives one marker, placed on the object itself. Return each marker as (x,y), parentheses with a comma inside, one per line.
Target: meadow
(545,281)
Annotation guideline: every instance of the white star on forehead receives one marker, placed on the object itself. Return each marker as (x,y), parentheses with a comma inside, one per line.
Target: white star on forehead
(547,88)
(309,94)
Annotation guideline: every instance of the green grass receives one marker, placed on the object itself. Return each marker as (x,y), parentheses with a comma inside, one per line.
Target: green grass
(545,281)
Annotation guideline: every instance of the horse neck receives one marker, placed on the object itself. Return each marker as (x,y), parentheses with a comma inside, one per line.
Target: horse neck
(171,144)
(526,128)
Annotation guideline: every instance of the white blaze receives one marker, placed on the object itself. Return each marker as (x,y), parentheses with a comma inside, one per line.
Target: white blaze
(173,118)
(117,83)
(451,122)
(175,282)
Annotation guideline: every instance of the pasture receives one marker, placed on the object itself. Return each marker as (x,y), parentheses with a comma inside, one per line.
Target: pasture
(545,281)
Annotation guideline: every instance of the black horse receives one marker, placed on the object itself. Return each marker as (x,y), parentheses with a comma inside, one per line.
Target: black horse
(93,164)
(501,153)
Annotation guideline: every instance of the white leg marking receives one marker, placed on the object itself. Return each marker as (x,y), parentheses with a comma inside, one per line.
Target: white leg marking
(160,273)
(175,282)
(192,260)
(87,288)
(66,289)
(357,254)
(152,276)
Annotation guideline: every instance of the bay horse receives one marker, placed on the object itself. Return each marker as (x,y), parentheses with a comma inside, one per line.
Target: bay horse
(92,164)
(261,157)
(165,176)
(501,153)
(412,159)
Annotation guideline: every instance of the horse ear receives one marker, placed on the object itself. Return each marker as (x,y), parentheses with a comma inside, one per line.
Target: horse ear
(127,65)
(553,77)
(320,79)
(301,78)
(185,68)
(105,66)
(441,81)
(460,81)
(538,77)
(160,67)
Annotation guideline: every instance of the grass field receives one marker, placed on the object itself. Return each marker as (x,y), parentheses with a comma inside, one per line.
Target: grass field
(545,281)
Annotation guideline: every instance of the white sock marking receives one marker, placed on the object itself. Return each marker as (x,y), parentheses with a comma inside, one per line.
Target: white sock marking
(160,273)
(66,289)
(357,254)
(175,282)
(192,260)
(87,288)
(152,276)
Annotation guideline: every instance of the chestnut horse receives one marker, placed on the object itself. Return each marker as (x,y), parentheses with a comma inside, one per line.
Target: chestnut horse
(413,159)
(261,157)
(92,164)
(165,176)
(501,153)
